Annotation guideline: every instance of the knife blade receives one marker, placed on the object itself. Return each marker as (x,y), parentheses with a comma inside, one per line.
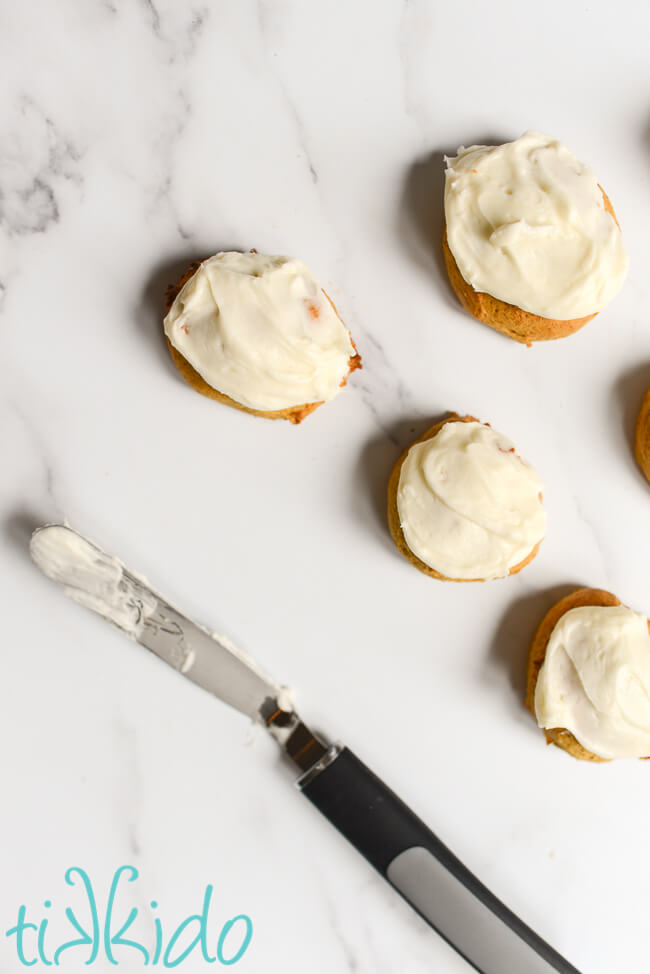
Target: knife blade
(102,583)
(490,937)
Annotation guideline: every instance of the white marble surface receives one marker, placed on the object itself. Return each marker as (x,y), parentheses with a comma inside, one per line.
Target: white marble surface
(136,136)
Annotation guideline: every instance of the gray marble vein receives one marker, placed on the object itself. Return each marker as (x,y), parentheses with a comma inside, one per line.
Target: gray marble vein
(596,540)
(177,27)
(266,19)
(130,785)
(411,34)
(348,950)
(382,390)
(170,135)
(180,41)
(153,16)
(35,156)
(42,453)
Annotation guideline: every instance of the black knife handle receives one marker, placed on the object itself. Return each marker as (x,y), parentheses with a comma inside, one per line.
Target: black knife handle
(420,867)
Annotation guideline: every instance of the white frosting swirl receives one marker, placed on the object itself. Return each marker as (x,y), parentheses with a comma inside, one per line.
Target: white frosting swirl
(595,680)
(260,330)
(526,223)
(469,506)
(92,578)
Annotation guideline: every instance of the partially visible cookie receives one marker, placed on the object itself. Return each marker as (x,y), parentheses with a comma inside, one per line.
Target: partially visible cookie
(463,506)
(259,337)
(642,436)
(596,640)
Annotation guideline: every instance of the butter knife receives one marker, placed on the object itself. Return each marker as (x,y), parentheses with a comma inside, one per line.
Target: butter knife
(490,937)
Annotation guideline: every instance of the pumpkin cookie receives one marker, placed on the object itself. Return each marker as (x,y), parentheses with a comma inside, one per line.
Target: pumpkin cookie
(259,334)
(462,504)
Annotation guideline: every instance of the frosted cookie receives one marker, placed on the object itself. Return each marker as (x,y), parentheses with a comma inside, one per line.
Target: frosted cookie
(531,241)
(462,504)
(642,436)
(588,681)
(259,334)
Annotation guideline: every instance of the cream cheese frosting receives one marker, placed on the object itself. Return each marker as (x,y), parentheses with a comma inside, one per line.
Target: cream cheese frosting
(91,577)
(526,223)
(469,506)
(261,330)
(595,680)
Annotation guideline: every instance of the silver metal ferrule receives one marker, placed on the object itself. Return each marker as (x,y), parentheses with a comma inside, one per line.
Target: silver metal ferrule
(297,741)
(323,762)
